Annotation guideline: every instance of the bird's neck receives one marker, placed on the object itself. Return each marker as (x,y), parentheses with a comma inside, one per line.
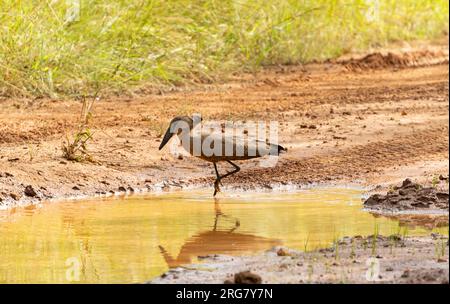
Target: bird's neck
(185,140)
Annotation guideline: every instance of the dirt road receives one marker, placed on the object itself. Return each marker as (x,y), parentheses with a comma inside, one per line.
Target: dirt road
(367,120)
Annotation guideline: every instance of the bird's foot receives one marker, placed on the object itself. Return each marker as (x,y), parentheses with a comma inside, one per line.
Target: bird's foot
(216,187)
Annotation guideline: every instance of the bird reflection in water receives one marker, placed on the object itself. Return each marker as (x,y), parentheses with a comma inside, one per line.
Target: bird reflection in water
(218,241)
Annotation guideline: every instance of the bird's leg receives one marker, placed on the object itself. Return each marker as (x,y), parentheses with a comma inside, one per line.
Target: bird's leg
(217,181)
(216,187)
(236,226)
(236,170)
(217,212)
(218,175)
(219,178)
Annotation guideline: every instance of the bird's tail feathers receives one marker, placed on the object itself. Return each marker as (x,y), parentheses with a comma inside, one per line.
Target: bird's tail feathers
(281,149)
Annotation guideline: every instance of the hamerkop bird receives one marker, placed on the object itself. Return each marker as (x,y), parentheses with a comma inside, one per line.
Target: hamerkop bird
(219,147)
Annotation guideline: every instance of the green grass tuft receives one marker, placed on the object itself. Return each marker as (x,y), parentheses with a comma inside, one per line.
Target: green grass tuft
(121,46)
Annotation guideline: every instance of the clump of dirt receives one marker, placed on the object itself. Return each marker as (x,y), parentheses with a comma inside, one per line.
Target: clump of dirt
(409,196)
(29,191)
(381,60)
(245,277)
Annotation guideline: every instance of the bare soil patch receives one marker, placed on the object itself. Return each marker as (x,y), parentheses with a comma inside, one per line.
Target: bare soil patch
(370,127)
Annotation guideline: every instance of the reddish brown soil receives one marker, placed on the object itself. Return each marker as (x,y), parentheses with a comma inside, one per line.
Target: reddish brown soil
(381,60)
(374,124)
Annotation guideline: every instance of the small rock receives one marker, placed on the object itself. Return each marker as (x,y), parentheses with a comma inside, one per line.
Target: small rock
(405,274)
(247,277)
(389,269)
(435,236)
(29,191)
(122,189)
(407,182)
(75,188)
(281,252)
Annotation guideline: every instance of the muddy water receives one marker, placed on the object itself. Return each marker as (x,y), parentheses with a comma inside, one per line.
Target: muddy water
(135,239)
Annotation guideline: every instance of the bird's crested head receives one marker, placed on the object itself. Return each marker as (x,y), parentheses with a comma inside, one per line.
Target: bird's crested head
(179,124)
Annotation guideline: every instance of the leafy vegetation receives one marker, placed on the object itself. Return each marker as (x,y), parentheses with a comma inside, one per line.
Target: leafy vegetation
(48,50)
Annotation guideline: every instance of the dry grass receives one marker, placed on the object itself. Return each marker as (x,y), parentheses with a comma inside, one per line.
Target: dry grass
(75,148)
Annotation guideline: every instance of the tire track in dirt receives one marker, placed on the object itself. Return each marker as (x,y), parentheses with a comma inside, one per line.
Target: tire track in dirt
(39,128)
(352,163)
(285,88)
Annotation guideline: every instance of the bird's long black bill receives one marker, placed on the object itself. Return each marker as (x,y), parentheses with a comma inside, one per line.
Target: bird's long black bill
(166,138)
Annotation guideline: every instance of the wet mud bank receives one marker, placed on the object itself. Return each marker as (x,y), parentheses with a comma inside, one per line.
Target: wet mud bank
(411,196)
(372,259)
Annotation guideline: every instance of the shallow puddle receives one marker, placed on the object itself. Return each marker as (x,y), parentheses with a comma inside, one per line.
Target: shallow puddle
(135,239)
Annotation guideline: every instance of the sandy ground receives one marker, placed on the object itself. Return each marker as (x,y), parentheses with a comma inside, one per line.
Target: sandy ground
(379,259)
(367,120)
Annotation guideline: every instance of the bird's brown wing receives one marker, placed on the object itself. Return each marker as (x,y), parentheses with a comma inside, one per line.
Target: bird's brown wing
(218,147)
